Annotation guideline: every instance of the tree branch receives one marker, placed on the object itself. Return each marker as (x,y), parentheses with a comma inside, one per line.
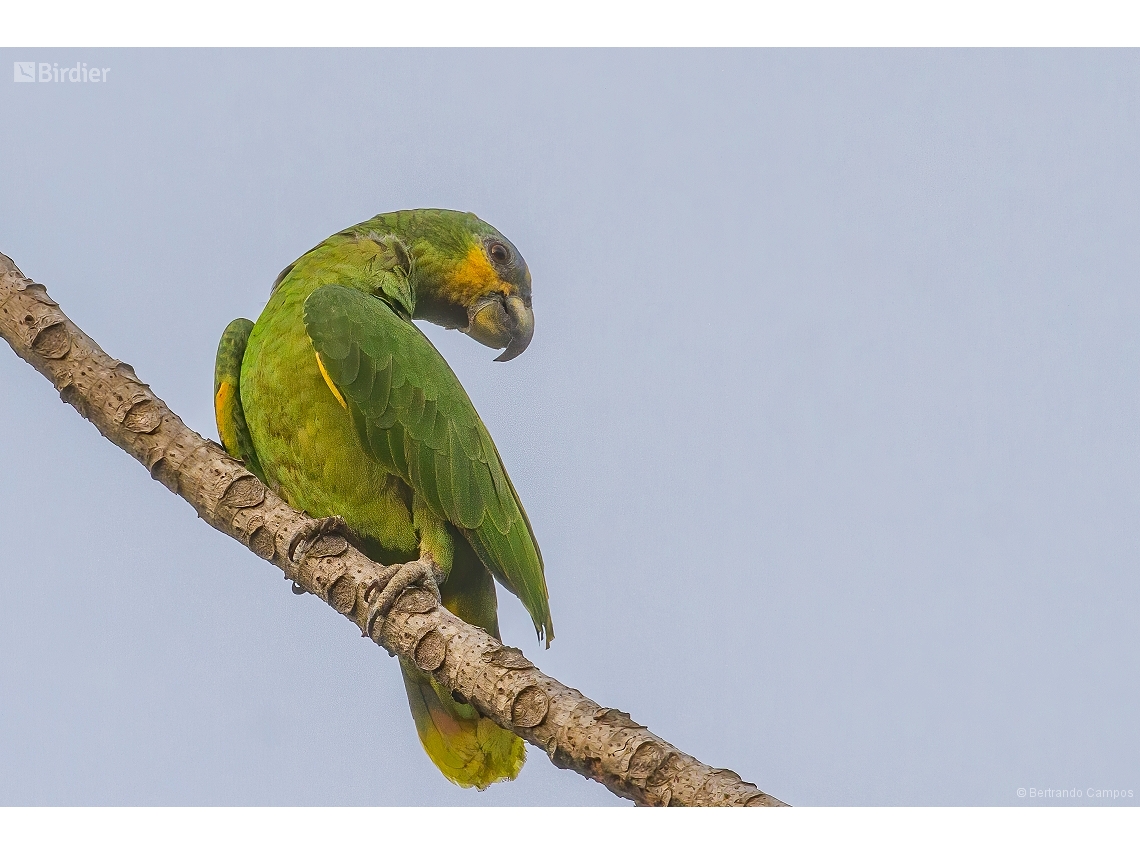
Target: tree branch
(597,742)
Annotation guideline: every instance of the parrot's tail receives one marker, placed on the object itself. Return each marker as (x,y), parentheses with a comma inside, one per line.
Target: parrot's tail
(470,750)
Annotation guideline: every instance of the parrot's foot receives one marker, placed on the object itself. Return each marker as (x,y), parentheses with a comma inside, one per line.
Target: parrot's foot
(384,592)
(312,532)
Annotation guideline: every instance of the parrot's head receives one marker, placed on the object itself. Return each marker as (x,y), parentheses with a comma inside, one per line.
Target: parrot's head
(469,277)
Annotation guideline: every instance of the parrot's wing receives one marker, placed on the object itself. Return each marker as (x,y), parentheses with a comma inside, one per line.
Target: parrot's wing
(232,429)
(417,421)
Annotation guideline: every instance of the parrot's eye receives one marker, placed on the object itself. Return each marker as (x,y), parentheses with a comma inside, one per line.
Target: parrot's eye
(499,253)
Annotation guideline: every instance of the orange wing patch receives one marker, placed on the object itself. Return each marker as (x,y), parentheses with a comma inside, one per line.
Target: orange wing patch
(223,412)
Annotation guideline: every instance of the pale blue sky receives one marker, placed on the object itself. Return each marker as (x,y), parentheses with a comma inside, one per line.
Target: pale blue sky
(828,431)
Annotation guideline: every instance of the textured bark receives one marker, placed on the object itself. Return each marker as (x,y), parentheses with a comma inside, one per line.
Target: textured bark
(597,742)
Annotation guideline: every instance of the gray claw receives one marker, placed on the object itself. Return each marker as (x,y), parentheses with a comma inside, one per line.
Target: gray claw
(415,573)
(312,531)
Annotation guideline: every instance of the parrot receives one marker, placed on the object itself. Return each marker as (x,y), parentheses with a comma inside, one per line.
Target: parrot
(340,404)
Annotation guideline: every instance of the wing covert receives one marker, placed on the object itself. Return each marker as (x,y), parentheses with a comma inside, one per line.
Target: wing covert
(232,428)
(415,418)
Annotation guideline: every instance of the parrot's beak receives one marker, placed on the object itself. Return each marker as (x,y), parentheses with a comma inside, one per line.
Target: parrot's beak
(501,322)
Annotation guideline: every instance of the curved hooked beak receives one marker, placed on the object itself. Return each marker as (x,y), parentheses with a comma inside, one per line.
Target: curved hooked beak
(501,322)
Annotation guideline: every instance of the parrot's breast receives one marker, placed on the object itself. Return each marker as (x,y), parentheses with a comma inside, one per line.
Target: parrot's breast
(303,434)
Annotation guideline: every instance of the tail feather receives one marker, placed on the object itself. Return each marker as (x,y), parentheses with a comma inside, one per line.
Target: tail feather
(470,750)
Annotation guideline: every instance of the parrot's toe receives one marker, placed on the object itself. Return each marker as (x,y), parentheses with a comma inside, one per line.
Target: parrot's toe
(382,595)
(325,536)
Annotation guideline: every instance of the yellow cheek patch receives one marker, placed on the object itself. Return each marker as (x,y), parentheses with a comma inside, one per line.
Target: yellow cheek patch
(328,380)
(473,277)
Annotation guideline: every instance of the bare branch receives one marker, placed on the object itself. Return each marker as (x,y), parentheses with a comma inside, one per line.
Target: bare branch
(597,742)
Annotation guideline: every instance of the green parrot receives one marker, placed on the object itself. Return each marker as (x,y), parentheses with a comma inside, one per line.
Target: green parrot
(339,403)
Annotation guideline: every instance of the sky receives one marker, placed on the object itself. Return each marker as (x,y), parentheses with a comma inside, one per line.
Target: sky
(828,431)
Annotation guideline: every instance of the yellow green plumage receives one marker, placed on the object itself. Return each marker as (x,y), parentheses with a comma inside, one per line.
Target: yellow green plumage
(342,405)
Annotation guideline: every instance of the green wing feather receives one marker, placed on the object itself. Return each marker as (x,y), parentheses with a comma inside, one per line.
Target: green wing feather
(417,421)
(232,429)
